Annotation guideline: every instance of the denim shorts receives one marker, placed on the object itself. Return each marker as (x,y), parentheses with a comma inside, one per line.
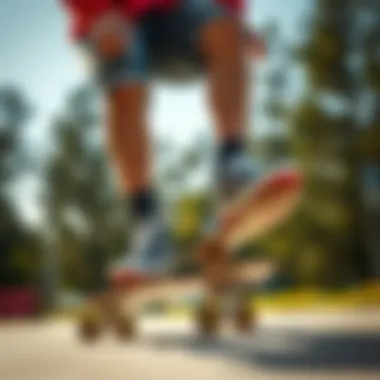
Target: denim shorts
(163,44)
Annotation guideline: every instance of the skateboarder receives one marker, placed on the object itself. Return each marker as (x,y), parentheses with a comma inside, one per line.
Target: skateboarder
(124,38)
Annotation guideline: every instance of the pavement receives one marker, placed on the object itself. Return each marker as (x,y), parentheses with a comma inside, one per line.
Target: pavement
(308,345)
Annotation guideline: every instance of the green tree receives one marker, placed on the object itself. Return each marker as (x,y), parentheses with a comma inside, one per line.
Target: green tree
(326,242)
(87,223)
(273,148)
(19,247)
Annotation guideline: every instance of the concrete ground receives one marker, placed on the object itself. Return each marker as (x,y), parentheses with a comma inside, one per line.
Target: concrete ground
(288,346)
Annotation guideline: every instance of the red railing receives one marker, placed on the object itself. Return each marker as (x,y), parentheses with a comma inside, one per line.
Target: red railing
(18,302)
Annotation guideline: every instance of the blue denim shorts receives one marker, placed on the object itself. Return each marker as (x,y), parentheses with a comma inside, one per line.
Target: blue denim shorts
(163,44)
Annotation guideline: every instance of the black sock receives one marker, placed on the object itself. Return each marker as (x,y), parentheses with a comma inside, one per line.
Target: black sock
(143,204)
(229,149)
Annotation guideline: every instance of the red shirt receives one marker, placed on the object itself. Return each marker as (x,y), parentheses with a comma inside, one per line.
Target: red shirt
(84,13)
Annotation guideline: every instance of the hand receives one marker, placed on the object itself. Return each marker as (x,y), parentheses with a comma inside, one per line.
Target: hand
(111,34)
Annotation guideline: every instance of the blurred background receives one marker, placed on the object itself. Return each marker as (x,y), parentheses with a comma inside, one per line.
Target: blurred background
(316,103)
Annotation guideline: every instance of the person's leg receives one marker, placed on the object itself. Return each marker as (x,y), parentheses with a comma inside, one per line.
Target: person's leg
(208,32)
(129,145)
(124,80)
(127,136)
(222,46)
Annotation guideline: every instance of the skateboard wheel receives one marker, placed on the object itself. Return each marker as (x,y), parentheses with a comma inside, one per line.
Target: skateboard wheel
(125,327)
(208,318)
(90,328)
(244,317)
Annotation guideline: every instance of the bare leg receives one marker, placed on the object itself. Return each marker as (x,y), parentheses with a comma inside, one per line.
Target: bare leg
(223,46)
(127,137)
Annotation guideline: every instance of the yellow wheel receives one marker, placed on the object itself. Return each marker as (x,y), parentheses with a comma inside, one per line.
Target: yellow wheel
(245,318)
(209,317)
(124,327)
(91,325)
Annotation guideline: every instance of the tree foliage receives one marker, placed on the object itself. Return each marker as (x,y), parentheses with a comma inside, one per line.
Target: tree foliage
(87,222)
(326,243)
(19,247)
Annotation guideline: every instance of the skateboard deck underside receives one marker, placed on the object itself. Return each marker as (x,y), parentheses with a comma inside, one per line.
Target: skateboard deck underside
(176,289)
(258,214)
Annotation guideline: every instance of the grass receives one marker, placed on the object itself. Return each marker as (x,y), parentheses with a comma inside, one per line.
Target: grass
(367,295)
(295,300)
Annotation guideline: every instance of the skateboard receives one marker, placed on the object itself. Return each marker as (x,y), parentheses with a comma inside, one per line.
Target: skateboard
(255,212)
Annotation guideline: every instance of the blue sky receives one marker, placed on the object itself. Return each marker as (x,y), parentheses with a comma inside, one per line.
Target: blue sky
(36,55)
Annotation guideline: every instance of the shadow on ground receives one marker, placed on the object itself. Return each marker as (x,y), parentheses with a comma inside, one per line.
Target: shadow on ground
(284,349)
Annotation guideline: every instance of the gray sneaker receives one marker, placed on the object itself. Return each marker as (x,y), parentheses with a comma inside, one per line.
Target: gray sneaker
(152,252)
(240,172)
